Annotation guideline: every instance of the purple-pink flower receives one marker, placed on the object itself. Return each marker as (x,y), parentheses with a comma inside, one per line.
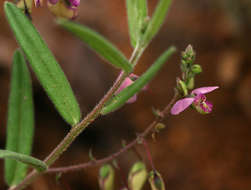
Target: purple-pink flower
(74,3)
(197,99)
(127,82)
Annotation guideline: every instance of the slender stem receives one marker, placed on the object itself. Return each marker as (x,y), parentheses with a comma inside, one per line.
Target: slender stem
(77,129)
(148,153)
(111,157)
(123,176)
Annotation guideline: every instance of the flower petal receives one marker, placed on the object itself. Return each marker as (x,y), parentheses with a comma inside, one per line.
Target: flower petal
(207,107)
(181,105)
(132,99)
(204,90)
(134,77)
(199,99)
(127,82)
(75,3)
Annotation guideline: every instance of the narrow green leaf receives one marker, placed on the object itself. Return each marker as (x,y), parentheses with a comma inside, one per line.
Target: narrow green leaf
(43,64)
(20,122)
(132,21)
(29,160)
(157,20)
(121,98)
(98,43)
(136,14)
(142,8)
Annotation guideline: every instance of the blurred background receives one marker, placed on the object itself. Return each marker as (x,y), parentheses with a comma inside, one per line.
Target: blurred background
(194,152)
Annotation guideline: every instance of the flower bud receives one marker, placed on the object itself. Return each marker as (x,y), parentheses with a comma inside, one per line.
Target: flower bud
(156,181)
(190,83)
(137,176)
(196,69)
(159,126)
(183,66)
(188,55)
(189,50)
(182,86)
(106,177)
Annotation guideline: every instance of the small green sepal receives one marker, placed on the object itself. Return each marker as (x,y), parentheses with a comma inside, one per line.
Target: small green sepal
(182,87)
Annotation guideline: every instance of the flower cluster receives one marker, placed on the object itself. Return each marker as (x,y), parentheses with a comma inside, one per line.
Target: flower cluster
(197,97)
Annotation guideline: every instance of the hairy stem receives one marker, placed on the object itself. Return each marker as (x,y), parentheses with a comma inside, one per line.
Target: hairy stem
(102,161)
(77,129)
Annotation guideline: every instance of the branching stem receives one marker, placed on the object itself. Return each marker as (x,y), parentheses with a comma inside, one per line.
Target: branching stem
(77,129)
(111,157)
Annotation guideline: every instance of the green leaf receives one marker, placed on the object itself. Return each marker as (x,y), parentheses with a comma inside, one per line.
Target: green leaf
(142,8)
(29,160)
(20,122)
(43,64)
(157,20)
(121,98)
(98,43)
(132,21)
(137,14)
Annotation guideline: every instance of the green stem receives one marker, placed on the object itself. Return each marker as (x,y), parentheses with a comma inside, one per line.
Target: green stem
(77,129)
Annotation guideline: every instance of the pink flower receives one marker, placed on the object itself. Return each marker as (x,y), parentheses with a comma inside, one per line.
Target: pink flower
(127,82)
(74,3)
(198,100)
